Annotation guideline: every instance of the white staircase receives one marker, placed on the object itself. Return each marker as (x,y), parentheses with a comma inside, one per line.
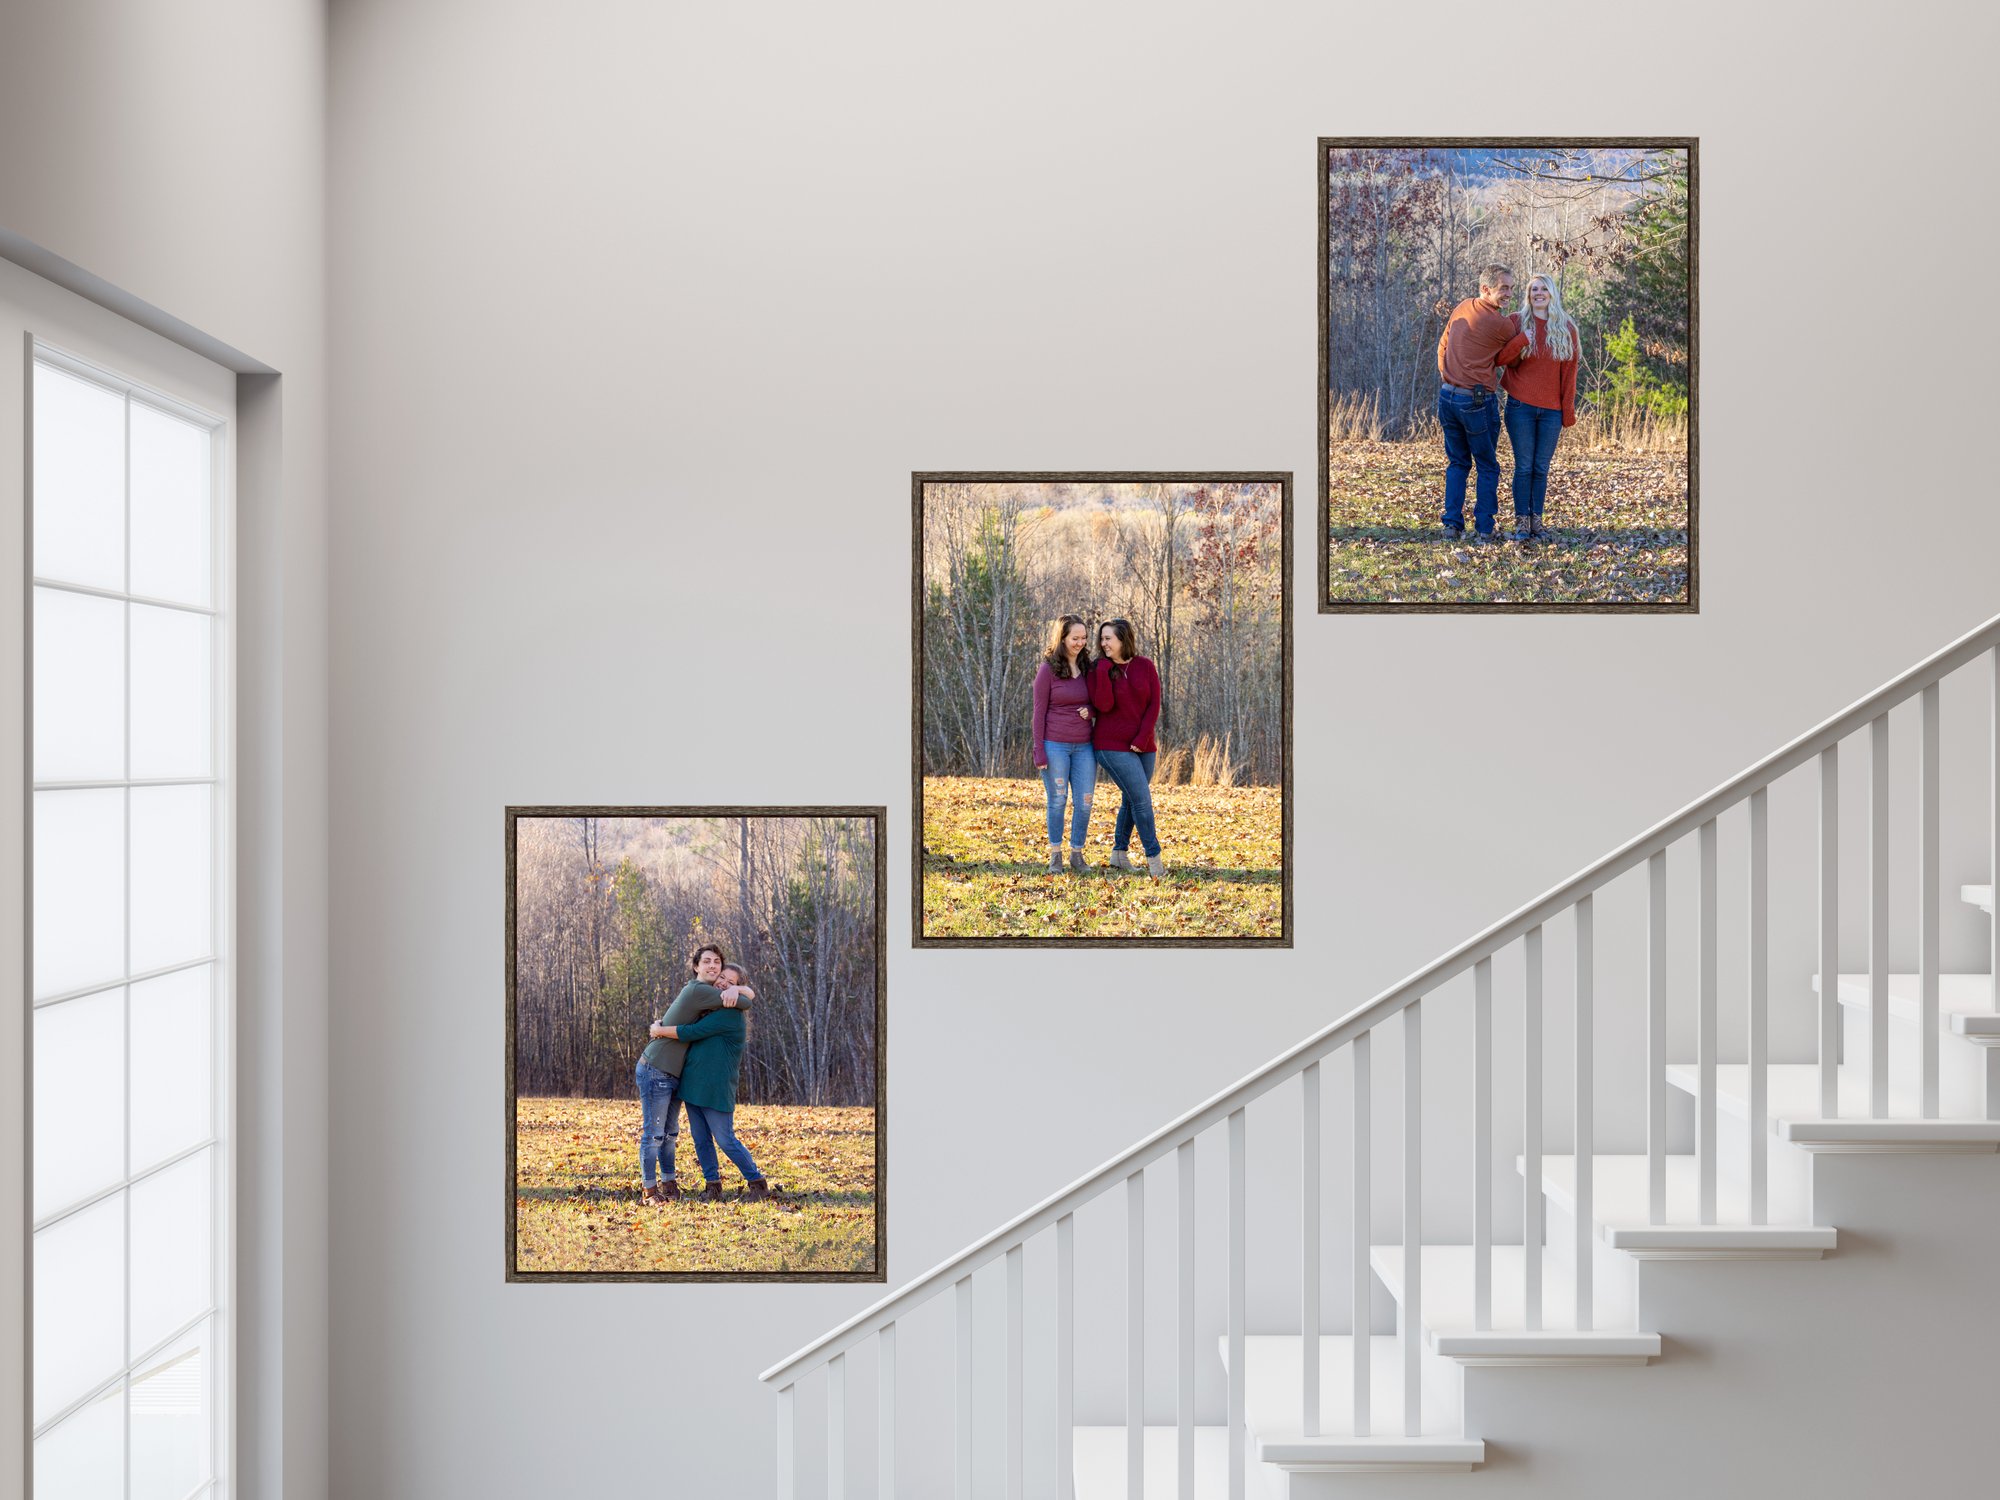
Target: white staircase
(1606,1267)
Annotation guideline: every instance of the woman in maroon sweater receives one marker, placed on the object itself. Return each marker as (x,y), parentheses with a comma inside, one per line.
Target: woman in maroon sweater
(1125,691)
(1061,736)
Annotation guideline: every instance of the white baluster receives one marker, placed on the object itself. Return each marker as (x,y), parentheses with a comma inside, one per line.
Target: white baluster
(1413,1211)
(1993,874)
(1760,986)
(788,1436)
(1829,932)
(1065,1382)
(1586,1062)
(1135,1335)
(1927,902)
(1238,1279)
(1361,1220)
(1482,1150)
(1016,1314)
(1309,1249)
(836,1428)
(885,1414)
(1184,1256)
(1705,1111)
(962,1425)
(1878,918)
(1531,1131)
(1656,1038)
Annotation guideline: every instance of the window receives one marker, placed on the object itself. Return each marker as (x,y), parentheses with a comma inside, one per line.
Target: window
(130,894)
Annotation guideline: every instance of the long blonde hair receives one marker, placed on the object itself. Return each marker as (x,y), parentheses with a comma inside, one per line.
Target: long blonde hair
(1563,337)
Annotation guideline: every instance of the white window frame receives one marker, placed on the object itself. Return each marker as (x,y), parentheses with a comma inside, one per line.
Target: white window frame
(221,1312)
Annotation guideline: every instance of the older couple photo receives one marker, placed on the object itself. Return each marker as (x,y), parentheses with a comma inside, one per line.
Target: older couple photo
(1516,320)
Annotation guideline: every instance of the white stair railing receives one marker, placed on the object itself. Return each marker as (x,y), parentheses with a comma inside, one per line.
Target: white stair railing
(1353,1035)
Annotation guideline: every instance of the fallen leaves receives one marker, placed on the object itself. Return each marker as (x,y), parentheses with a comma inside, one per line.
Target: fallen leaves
(986,864)
(576,1193)
(1617,530)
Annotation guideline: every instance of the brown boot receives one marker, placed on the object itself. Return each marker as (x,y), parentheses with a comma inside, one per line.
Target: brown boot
(762,1189)
(713,1192)
(669,1191)
(651,1195)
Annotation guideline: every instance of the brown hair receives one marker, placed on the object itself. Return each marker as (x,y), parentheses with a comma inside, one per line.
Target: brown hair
(1128,640)
(1489,275)
(716,948)
(1057,655)
(736,969)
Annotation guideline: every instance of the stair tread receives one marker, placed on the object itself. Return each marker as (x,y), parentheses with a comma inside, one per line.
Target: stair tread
(1273,1377)
(1100,1457)
(1959,995)
(1448,1309)
(1977,895)
(1792,1096)
(1621,1198)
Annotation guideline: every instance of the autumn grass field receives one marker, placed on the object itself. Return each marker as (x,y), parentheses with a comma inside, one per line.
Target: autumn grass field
(1617,524)
(577,1206)
(986,864)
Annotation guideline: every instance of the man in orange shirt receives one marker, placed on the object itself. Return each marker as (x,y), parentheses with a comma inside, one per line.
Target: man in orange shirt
(1477,336)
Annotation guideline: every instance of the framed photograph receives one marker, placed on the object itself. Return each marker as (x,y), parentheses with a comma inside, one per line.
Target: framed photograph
(1508,368)
(695,1010)
(1102,730)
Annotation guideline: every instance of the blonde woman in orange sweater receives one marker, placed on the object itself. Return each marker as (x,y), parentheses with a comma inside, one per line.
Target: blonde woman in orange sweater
(1541,399)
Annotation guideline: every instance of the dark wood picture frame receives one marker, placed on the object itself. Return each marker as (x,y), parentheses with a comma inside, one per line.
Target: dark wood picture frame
(1321,373)
(1281,478)
(879,816)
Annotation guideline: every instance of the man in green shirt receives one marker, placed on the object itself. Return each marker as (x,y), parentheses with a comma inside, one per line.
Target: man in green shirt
(658,1074)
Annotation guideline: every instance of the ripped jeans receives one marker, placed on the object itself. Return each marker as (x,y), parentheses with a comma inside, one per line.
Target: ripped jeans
(1069,777)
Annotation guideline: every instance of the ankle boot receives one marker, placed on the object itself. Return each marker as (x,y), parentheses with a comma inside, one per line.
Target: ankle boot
(1120,860)
(713,1192)
(1156,867)
(1055,859)
(762,1189)
(1076,863)
(669,1190)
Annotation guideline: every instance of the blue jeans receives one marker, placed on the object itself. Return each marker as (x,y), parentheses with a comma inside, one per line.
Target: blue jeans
(1471,426)
(1070,775)
(659,1133)
(711,1126)
(1133,771)
(1533,431)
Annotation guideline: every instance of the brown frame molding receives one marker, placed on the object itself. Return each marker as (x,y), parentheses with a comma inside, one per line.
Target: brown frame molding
(1281,478)
(880,817)
(1323,529)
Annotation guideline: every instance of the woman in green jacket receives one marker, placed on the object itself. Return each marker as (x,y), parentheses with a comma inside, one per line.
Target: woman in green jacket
(708,1089)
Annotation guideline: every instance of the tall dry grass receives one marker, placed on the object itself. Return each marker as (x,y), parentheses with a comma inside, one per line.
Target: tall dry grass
(1208,762)
(1628,430)
(1355,418)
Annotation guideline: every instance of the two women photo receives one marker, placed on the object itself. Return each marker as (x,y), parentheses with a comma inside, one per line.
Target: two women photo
(1095,716)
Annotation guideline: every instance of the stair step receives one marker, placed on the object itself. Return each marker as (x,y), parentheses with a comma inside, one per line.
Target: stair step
(1101,1455)
(1980,896)
(1965,1001)
(1792,1101)
(1621,1206)
(1273,1383)
(1449,1316)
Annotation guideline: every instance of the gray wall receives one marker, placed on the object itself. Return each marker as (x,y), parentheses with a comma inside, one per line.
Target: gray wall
(630,301)
(169,162)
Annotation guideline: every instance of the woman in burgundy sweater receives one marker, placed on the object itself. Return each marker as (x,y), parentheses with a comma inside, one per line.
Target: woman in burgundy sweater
(1541,399)
(1125,691)
(1061,736)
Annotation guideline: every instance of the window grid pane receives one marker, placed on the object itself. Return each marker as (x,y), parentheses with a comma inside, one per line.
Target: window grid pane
(127,524)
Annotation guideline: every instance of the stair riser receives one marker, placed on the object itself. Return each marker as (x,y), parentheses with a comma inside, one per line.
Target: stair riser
(1961,1066)
(1787,1170)
(1443,1380)
(1615,1275)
